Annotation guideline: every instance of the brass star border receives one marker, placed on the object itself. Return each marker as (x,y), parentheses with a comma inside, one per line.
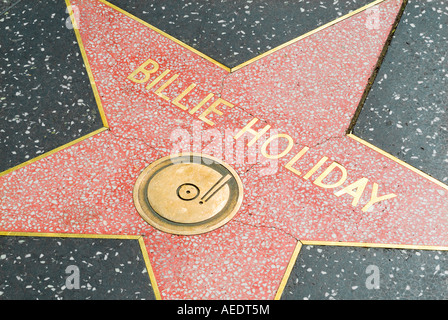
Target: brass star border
(230,70)
(95,93)
(96,236)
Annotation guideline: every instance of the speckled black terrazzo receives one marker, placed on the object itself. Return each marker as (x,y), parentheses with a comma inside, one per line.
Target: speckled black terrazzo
(345,273)
(233,32)
(6,4)
(45,95)
(39,268)
(406,111)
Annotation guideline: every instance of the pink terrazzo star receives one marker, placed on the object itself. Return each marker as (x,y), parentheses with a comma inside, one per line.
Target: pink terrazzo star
(308,91)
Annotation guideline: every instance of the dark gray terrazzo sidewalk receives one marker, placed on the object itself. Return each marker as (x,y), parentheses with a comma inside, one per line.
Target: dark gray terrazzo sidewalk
(44,268)
(46,99)
(233,32)
(406,111)
(348,273)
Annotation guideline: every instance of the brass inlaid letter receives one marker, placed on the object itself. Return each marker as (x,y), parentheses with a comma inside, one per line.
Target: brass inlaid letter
(359,186)
(157,80)
(283,153)
(315,168)
(142,69)
(374,197)
(200,104)
(248,128)
(164,86)
(181,96)
(324,174)
(295,159)
(213,108)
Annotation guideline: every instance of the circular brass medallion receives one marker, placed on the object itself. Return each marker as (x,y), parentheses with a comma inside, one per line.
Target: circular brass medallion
(188,193)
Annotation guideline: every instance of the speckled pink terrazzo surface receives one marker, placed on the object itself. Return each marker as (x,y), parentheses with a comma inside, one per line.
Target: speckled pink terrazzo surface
(308,90)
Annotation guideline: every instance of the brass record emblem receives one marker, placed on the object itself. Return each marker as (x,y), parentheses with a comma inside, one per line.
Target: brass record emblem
(188,193)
